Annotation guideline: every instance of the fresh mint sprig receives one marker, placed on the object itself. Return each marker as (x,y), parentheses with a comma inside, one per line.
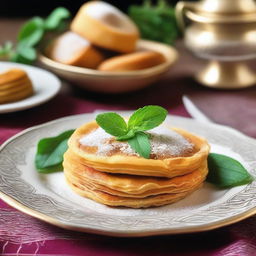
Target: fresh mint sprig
(155,21)
(141,120)
(31,34)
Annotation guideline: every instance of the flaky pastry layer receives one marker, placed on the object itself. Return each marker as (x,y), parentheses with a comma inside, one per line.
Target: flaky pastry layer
(129,185)
(112,200)
(135,165)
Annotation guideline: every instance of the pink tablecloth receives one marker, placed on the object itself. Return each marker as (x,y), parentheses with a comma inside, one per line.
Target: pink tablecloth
(23,235)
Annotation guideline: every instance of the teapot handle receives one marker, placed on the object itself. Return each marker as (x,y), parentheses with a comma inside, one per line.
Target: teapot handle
(180,11)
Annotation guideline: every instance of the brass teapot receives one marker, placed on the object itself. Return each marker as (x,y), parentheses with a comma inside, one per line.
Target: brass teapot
(223,32)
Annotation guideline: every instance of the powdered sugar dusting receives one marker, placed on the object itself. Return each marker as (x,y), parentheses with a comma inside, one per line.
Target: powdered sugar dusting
(105,143)
(110,15)
(99,10)
(164,142)
(98,138)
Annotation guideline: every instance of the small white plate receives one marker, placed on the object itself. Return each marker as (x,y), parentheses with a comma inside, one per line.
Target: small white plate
(46,86)
(49,198)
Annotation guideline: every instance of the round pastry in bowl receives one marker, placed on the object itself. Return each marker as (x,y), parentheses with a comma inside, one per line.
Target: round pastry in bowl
(106,26)
(113,81)
(72,49)
(132,61)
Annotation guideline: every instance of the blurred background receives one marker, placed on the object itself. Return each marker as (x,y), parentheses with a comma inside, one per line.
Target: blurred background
(24,8)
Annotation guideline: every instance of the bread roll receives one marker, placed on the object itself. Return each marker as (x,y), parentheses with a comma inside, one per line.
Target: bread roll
(72,49)
(132,61)
(106,26)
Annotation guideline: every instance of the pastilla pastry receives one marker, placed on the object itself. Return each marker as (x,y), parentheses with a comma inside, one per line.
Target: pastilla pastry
(15,85)
(108,170)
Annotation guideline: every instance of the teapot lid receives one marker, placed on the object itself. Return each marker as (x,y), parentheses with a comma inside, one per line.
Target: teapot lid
(229,7)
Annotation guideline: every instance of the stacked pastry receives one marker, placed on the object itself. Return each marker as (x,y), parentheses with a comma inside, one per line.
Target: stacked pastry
(98,167)
(102,37)
(15,85)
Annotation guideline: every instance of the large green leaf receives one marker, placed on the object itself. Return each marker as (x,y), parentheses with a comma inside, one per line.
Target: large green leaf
(32,32)
(226,172)
(49,155)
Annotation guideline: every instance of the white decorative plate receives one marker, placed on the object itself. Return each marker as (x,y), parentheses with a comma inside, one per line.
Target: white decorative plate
(46,86)
(47,197)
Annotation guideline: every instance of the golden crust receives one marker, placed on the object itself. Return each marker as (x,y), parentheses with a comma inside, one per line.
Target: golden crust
(14,85)
(132,61)
(112,200)
(134,165)
(129,185)
(12,75)
(103,34)
(17,96)
(16,89)
(72,49)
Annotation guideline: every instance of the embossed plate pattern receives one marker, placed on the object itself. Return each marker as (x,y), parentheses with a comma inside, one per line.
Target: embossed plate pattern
(48,198)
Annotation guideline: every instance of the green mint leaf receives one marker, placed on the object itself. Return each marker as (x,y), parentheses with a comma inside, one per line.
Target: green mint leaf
(155,22)
(26,52)
(49,155)
(112,123)
(51,169)
(143,119)
(6,51)
(147,118)
(127,136)
(140,144)
(226,172)
(54,20)
(32,32)
(6,48)
(16,57)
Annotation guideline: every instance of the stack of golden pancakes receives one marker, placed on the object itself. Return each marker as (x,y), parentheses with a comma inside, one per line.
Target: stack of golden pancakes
(98,167)
(15,85)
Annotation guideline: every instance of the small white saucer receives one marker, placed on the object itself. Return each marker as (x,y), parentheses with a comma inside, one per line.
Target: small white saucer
(46,86)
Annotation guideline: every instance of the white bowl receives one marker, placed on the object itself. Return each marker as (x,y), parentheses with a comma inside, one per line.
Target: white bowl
(114,82)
